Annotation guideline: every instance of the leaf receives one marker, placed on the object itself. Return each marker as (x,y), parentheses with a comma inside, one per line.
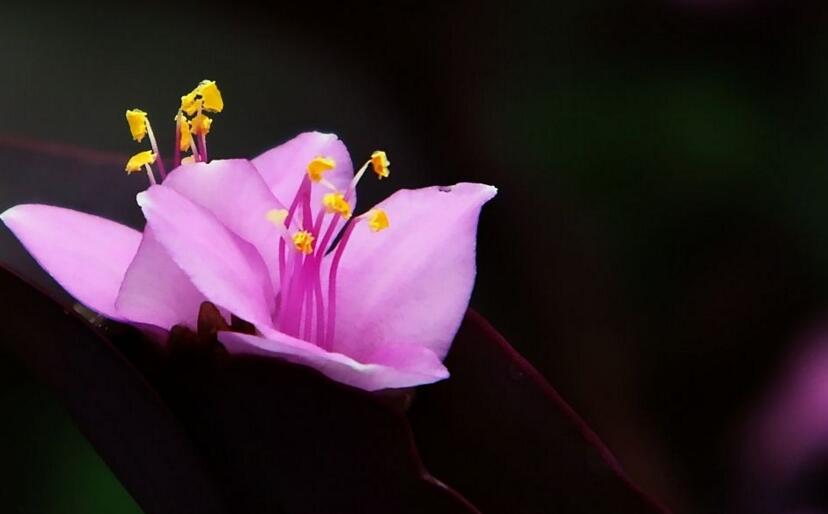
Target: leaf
(111,402)
(500,433)
(244,434)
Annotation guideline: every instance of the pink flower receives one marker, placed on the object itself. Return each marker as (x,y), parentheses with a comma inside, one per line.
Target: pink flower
(258,239)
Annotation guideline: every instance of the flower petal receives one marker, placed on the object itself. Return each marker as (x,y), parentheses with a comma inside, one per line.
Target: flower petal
(235,193)
(411,283)
(392,367)
(87,255)
(226,269)
(284,167)
(156,291)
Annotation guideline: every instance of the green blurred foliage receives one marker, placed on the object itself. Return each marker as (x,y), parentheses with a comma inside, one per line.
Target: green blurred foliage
(47,465)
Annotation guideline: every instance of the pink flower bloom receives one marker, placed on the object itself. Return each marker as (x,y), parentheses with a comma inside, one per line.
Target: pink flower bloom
(259,240)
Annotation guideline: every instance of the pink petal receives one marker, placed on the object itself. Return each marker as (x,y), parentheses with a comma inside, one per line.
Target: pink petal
(392,367)
(410,284)
(226,269)
(235,193)
(155,291)
(284,167)
(85,254)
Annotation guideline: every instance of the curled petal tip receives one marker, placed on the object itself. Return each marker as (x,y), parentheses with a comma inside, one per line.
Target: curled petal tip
(8,214)
(489,191)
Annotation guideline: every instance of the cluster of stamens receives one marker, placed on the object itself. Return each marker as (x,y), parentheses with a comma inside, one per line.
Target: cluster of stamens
(302,309)
(191,128)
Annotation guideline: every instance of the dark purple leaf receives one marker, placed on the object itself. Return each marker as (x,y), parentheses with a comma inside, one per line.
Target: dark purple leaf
(258,435)
(497,431)
(113,405)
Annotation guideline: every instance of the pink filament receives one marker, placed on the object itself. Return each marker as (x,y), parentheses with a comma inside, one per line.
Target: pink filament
(177,148)
(301,301)
(320,309)
(329,331)
(288,317)
(162,171)
(284,277)
(203,139)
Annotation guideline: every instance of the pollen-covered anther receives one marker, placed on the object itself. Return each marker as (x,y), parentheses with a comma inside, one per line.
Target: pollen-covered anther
(137,120)
(303,241)
(277,216)
(318,166)
(335,203)
(380,164)
(139,160)
(206,96)
(377,220)
(200,125)
(189,103)
(210,96)
(185,136)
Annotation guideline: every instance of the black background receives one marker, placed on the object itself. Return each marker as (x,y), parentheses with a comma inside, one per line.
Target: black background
(659,238)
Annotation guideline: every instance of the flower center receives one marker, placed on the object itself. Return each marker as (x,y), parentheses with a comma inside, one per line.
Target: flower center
(304,309)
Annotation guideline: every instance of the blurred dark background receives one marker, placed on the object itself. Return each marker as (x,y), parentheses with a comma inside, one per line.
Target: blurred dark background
(659,241)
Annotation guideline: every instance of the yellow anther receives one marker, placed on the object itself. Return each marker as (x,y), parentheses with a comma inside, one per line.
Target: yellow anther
(336,203)
(189,104)
(379,162)
(277,216)
(139,160)
(210,96)
(206,95)
(303,241)
(201,125)
(318,166)
(377,220)
(137,120)
(185,137)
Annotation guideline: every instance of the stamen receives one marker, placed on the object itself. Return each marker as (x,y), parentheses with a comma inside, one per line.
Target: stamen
(201,125)
(210,96)
(320,306)
(185,137)
(154,145)
(141,160)
(283,266)
(340,248)
(318,166)
(377,220)
(308,317)
(303,241)
(150,174)
(177,143)
(195,157)
(203,139)
(380,163)
(137,120)
(137,161)
(301,300)
(189,104)
(335,203)
(139,126)
(289,286)
(277,217)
